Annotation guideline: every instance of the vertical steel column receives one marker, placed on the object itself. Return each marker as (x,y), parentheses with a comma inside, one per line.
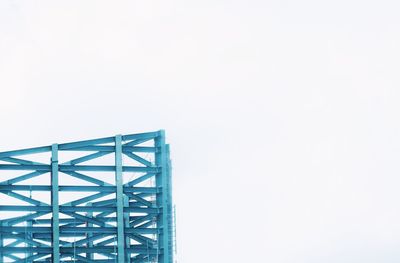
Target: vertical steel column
(89,255)
(120,199)
(54,204)
(169,205)
(162,197)
(127,225)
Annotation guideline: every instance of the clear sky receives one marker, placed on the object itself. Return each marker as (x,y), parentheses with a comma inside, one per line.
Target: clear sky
(282,115)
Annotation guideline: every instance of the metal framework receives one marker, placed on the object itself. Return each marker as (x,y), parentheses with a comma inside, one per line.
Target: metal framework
(100,200)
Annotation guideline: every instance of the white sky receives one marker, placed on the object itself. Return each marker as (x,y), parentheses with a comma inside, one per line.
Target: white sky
(282,115)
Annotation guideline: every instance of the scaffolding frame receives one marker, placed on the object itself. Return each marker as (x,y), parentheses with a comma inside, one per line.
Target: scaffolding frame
(134,225)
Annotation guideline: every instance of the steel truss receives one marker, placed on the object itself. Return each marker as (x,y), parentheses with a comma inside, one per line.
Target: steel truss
(100,200)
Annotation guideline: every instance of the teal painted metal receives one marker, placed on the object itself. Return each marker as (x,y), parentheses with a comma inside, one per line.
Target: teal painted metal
(55,225)
(99,200)
(120,198)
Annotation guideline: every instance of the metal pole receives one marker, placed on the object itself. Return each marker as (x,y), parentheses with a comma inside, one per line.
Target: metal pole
(162,197)
(171,211)
(54,203)
(120,199)
(89,255)
(126,221)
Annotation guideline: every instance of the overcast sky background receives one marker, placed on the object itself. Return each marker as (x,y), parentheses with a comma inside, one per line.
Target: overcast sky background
(283,116)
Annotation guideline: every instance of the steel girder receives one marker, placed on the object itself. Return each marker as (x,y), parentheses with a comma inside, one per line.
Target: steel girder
(100,200)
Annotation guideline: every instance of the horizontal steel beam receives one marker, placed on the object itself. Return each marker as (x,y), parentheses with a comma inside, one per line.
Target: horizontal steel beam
(136,219)
(68,188)
(145,135)
(69,168)
(76,230)
(66,209)
(100,249)
(74,145)
(110,149)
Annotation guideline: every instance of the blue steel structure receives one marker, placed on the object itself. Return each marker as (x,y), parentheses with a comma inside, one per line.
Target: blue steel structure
(100,200)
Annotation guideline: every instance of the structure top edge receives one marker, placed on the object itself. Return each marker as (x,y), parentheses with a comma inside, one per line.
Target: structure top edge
(77,144)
